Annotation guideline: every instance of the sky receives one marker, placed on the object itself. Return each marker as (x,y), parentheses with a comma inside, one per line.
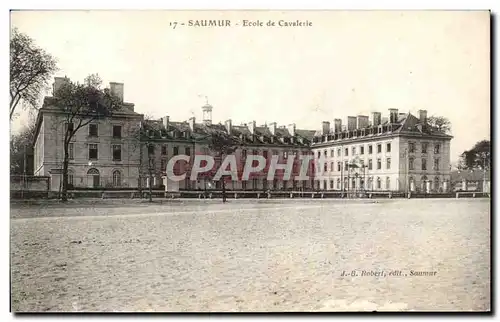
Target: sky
(345,63)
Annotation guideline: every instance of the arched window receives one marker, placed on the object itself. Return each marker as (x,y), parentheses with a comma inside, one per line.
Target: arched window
(338,184)
(388,183)
(117,178)
(71,177)
(379,183)
(423,183)
(93,177)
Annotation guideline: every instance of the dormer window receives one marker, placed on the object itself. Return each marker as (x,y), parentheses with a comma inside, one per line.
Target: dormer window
(151,133)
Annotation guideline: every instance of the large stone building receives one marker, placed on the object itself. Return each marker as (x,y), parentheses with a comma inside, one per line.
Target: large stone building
(398,153)
(104,153)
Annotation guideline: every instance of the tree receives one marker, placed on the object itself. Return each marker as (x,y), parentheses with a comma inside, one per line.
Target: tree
(81,104)
(440,123)
(20,145)
(479,157)
(223,144)
(31,68)
(146,141)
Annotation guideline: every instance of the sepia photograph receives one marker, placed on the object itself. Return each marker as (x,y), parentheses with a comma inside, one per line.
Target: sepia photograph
(250,161)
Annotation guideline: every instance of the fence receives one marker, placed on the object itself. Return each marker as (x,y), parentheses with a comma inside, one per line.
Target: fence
(22,187)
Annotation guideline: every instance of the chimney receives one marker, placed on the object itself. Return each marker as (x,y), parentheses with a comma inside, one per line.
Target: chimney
(291,129)
(351,123)
(325,129)
(251,127)
(393,115)
(116,89)
(272,128)
(229,126)
(58,83)
(422,115)
(165,121)
(362,121)
(337,125)
(192,121)
(376,118)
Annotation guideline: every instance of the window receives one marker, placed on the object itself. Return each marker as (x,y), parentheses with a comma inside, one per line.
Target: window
(346,166)
(71,151)
(370,164)
(93,152)
(151,133)
(411,165)
(164,149)
(69,127)
(319,154)
(353,150)
(264,154)
(325,153)
(388,183)
(370,149)
(388,147)
(331,184)
(346,152)
(325,166)
(379,148)
(71,178)
(411,147)
(332,153)
(275,152)
(436,164)
(437,148)
(188,151)
(163,165)
(117,152)
(424,164)
(93,177)
(285,154)
(117,131)
(339,166)
(93,130)
(424,147)
(379,183)
(362,163)
(244,154)
(388,162)
(338,152)
(379,164)
(176,150)
(151,149)
(362,150)
(332,166)
(117,178)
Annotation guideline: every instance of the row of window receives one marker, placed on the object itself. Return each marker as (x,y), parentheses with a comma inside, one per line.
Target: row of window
(354,149)
(94,130)
(362,165)
(93,151)
(352,184)
(411,164)
(412,147)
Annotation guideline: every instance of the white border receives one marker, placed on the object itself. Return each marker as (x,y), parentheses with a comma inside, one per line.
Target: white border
(214,4)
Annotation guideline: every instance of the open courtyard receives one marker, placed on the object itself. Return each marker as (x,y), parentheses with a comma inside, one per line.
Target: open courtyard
(251,255)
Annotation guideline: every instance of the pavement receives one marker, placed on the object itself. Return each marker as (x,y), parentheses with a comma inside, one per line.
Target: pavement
(249,255)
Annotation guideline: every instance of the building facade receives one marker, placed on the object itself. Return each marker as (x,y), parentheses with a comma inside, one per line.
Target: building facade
(102,154)
(400,152)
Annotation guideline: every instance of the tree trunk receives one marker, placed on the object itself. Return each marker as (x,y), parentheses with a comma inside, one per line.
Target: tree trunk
(223,189)
(64,191)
